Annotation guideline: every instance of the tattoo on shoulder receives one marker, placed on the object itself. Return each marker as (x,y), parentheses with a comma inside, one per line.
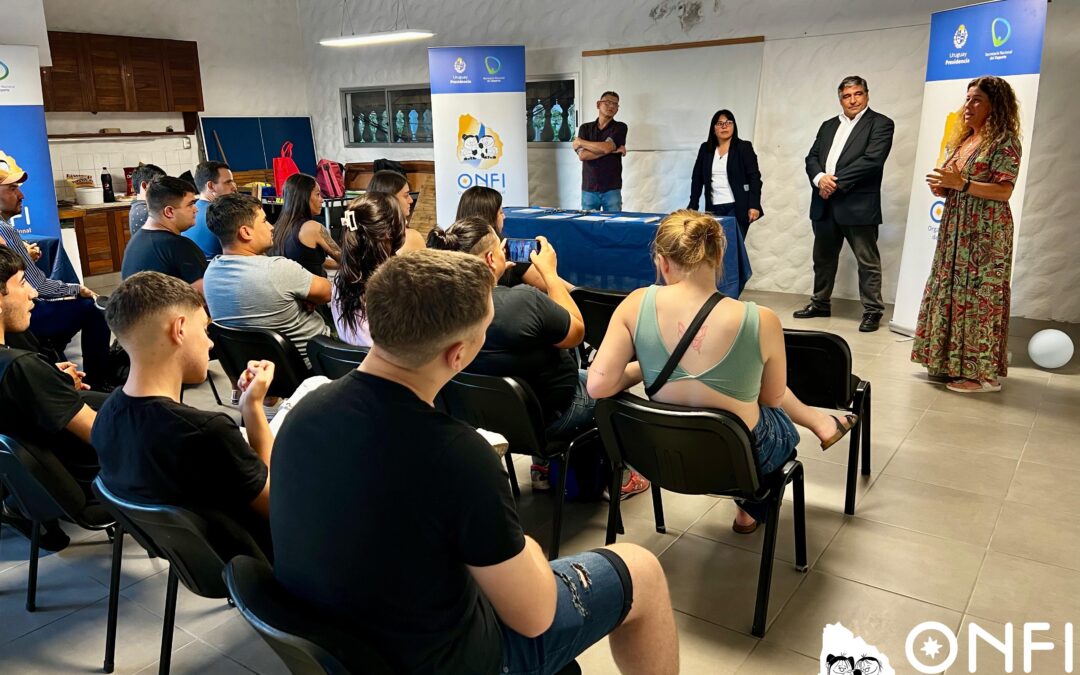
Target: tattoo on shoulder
(695,344)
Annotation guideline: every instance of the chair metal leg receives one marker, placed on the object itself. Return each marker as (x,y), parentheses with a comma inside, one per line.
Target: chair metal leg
(614,521)
(31,582)
(560,497)
(799,504)
(768,550)
(213,387)
(658,508)
(866,407)
(514,487)
(114,598)
(852,471)
(167,627)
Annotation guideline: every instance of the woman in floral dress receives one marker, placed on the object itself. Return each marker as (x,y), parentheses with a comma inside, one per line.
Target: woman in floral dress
(964,317)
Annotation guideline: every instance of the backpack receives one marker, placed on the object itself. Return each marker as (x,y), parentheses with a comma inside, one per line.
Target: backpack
(331,178)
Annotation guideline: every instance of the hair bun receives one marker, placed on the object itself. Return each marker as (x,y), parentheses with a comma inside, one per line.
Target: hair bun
(441,239)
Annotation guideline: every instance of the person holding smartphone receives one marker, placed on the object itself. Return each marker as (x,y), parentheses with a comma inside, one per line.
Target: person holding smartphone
(533,335)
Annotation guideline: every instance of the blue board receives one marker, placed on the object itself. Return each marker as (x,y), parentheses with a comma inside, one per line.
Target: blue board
(251,143)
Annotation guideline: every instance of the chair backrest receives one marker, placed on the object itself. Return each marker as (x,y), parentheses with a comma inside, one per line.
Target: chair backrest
(42,487)
(236,346)
(819,368)
(687,450)
(596,307)
(333,358)
(504,405)
(197,544)
(307,642)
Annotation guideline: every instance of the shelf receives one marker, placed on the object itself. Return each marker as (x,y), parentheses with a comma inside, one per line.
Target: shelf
(132,134)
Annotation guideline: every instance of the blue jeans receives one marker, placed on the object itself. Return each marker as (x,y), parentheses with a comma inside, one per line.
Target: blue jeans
(595,594)
(776,440)
(579,416)
(610,200)
(57,321)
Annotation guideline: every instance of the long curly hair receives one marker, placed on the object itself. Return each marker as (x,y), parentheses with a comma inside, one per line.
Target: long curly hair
(1003,121)
(380,232)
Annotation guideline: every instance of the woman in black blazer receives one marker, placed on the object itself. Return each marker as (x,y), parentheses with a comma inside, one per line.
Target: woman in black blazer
(738,173)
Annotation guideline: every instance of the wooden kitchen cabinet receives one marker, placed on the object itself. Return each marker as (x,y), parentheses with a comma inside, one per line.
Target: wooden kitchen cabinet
(66,85)
(147,75)
(109,86)
(103,234)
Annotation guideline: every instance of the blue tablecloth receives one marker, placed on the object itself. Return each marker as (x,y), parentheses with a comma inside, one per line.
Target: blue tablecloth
(54,261)
(618,255)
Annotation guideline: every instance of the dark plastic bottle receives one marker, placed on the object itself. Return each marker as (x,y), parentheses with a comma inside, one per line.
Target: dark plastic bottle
(106,185)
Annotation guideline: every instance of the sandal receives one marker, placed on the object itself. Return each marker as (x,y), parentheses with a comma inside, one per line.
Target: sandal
(744,529)
(984,387)
(842,428)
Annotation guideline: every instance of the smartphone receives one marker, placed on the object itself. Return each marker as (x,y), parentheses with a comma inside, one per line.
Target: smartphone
(518,250)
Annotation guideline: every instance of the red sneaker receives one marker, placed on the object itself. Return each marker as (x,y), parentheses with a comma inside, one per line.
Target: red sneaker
(635,484)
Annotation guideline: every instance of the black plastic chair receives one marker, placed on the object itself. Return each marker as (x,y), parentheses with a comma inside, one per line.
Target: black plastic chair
(698,451)
(196,544)
(236,346)
(819,374)
(508,406)
(44,490)
(307,642)
(333,358)
(597,306)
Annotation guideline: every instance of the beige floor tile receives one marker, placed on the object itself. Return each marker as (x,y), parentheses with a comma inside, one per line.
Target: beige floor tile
(199,658)
(1017,403)
(680,511)
(718,583)
(1053,447)
(931,509)
(821,526)
(1064,394)
(1060,416)
(61,590)
(889,426)
(953,468)
(879,617)
(907,393)
(826,484)
(989,659)
(1037,535)
(586,529)
(1068,381)
(920,566)
(703,648)
(1016,590)
(971,433)
(768,659)
(1049,489)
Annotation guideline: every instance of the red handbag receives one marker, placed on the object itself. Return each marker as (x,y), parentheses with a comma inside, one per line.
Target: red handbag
(284,166)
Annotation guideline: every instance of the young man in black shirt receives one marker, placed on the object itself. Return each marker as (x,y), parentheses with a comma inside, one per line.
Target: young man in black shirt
(40,403)
(158,246)
(601,145)
(140,181)
(432,566)
(156,450)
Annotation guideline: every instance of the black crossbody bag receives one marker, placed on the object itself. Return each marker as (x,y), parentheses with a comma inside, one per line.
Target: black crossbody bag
(684,344)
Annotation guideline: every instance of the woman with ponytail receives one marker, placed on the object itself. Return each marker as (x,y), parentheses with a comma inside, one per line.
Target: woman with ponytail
(374,230)
(737,356)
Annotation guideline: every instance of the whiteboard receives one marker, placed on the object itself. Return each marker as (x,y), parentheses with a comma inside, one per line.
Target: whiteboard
(667,98)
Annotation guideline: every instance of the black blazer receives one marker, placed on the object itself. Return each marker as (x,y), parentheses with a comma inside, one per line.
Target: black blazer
(743,176)
(857,200)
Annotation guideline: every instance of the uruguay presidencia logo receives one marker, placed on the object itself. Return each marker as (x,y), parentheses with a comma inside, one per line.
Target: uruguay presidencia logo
(459,65)
(996,35)
(959,38)
(478,145)
(492,64)
(4,70)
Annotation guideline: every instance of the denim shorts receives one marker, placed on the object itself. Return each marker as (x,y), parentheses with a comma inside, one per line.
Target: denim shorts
(776,437)
(595,595)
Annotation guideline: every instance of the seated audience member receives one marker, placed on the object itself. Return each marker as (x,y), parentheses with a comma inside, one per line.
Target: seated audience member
(158,246)
(140,180)
(738,355)
(532,337)
(213,179)
(393,183)
(246,289)
(63,309)
(486,203)
(373,233)
(299,237)
(40,403)
(156,450)
(457,587)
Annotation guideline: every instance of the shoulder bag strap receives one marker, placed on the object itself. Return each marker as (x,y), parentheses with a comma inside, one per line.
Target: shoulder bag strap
(684,344)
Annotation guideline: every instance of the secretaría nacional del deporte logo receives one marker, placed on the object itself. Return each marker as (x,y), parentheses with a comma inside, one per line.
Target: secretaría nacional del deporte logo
(493,64)
(959,38)
(478,145)
(4,70)
(1000,31)
(459,65)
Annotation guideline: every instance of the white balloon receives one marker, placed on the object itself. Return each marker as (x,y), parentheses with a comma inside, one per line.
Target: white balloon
(1050,348)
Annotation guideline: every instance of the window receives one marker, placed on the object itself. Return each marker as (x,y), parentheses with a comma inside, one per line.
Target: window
(384,117)
(551,111)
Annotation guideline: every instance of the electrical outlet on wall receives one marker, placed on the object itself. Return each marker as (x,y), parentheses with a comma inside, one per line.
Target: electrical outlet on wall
(187,143)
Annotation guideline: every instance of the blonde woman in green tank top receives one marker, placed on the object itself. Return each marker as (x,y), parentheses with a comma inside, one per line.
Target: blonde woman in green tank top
(736,362)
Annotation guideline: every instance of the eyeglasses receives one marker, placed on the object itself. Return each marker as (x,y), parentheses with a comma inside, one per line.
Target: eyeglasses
(612,104)
(724,124)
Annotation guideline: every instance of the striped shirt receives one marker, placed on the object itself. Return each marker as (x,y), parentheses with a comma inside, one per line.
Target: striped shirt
(47,288)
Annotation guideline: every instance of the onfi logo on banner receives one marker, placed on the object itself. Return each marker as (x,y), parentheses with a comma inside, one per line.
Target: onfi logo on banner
(844,653)
(481,147)
(959,38)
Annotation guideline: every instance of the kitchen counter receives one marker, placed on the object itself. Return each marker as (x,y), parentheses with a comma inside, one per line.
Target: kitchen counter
(77,211)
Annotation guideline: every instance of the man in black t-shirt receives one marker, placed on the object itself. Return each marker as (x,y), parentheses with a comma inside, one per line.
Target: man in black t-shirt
(140,181)
(158,246)
(40,403)
(156,450)
(432,566)
(601,145)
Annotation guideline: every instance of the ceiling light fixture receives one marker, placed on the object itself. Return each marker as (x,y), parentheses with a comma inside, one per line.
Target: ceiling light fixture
(397,34)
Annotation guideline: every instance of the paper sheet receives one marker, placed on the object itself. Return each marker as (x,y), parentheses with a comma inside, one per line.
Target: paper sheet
(528,211)
(594,218)
(557,216)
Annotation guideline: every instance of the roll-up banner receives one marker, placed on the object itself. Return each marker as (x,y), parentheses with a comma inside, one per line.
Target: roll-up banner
(1002,38)
(477,112)
(24,139)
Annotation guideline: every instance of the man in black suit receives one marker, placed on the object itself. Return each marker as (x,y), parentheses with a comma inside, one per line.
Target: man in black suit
(845,166)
